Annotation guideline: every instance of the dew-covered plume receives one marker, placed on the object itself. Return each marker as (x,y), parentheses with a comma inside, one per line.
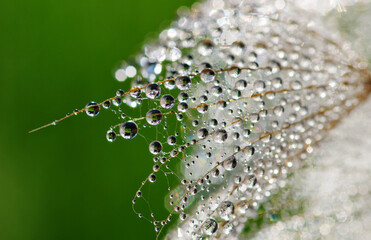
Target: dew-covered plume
(239,93)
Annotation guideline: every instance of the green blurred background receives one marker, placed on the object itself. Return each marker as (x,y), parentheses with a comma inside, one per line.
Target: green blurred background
(68,182)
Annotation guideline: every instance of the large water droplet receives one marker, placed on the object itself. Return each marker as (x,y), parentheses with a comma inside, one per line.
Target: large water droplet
(128,130)
(111,136)
(92,109)
(152,178)
(153,91)
(183,82)
(207,75)
(202,133)
(183,97)
(182,107)
(220,136)
(171,140)
(167,101)
(210,226)
(154,116)
(226,210)
(155,147)
(230,163)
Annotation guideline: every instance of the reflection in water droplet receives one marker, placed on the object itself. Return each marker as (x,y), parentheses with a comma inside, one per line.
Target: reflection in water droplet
(155,147)
(153,91)
(207,75)
(92,109)
(210,226)
(128,130)
(154,117)
(167,101)
(111,136)
(220,136)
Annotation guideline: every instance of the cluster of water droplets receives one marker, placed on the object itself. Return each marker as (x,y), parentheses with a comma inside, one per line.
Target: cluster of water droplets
(251,87)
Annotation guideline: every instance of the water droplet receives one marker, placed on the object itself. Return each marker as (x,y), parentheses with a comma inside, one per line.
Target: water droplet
(226,210)
(111,136)
(237,48)
(241,84)
(220,136)
(207,75)
(170,84)
(216,91)
(155,147)
(135,93)
(117,101)
(182,216)
(171,140)
(182,107)
(259,86)
(210,226)
(154,117)
(277,83)
(205,47)
(92,109)
(152,178)
(167,101)
(234,71)
(153,91)
(202,108)
(128,130)
(183,82)
(106,104)
(236,94)
(230,163)
(183,97)
(120,93)
(202,133)
(215,172)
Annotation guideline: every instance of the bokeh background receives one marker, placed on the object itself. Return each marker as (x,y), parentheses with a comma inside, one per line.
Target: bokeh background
(68,182)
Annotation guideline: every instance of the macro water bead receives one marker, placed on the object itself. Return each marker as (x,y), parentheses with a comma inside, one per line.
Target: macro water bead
(154,117)
(155,147)
(128,130)
(167,101)
(92,109)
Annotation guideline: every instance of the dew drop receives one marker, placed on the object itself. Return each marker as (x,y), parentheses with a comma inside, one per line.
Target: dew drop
(230,163)
(155,147)
(153,91)
(92,109)
(202,133)
(171,140)
(220,136)
(120,93)
(128,130)
(182,107)
(183,97)
(167,101)
(136,93)
(205,47)
(259,86)
(183,82)
(226,210)
(117,101)
(154,117)
(241,84)
(152,178)
(106,104)
(111,136)
(207,75)
(210,226)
